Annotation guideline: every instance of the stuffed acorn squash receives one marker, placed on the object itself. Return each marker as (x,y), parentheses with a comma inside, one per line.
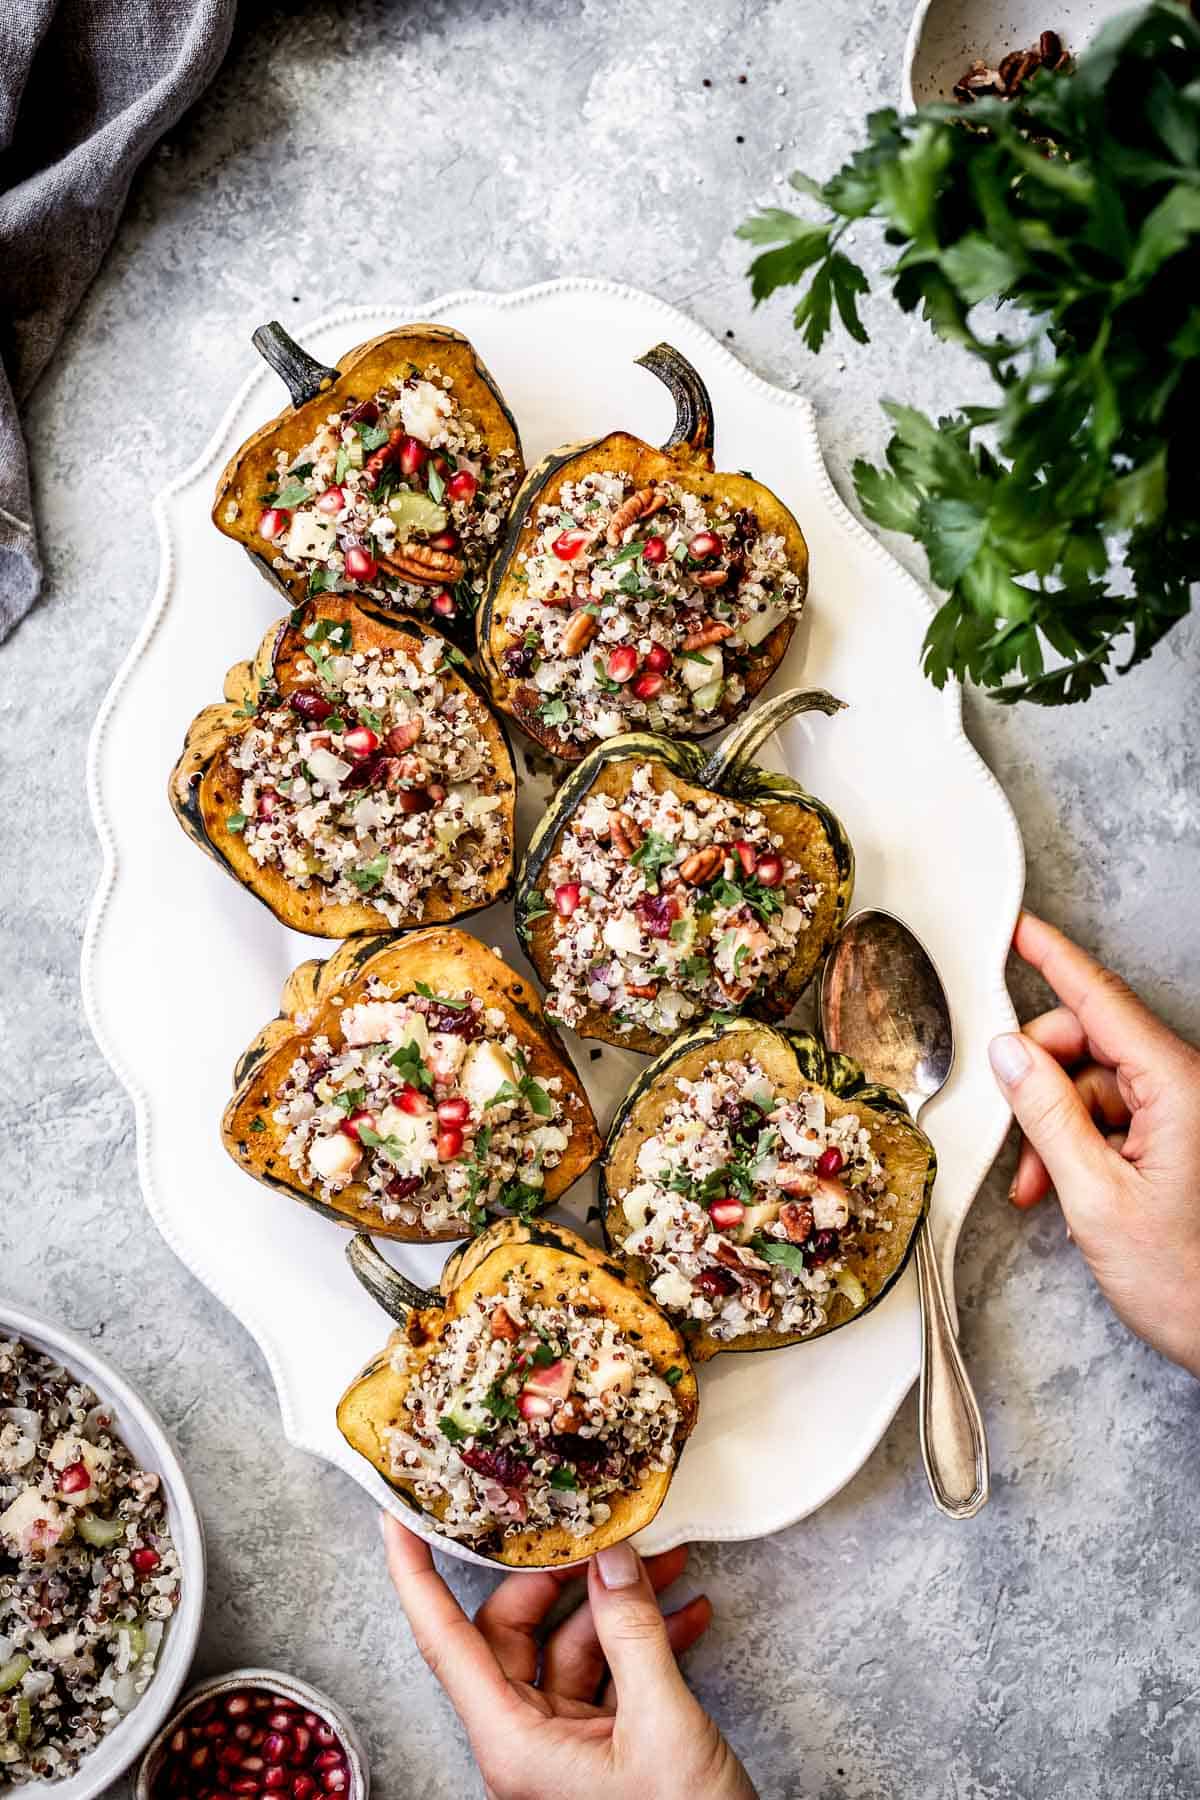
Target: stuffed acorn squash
(638,589)
(390,476)
(663,885)
(412,1087)
(355,776)
(535,1409)
(761,1188)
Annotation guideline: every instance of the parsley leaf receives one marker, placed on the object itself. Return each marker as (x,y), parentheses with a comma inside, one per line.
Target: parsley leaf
(564,1477)
(554,712)
(427,992)
(652,854)
(368,878)
(236,822)
(535,907)
(773,1250)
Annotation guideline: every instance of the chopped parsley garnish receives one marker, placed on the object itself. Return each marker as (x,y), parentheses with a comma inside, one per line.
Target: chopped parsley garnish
(625,553)
(374,437)
(371,874)
(257,1125)
(437,486)
(350,1099)
(498,1403)
(765,902)
(695,968)
(292,494)
(673,1376)
(236,821)
(424,989)
(323,581)
(554,712)
(450,1428)
(536,907)
(773,1251)
(527,1088)
(652,854)
(564,1477)
(407,1059)
(520,1198)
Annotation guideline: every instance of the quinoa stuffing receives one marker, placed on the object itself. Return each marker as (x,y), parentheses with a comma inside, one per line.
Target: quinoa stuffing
(397,497)
(747,1203)
(375,782)
(667,909)
(429,1104)
(531,1415)
(88,1573)
(643,607)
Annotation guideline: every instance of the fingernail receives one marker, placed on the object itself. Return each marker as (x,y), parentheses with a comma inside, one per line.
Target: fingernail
(1009,1058)
(618,1566)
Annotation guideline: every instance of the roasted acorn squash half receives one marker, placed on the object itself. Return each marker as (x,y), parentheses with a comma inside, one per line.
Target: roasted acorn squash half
(429,1072)
(487,1439)
(759,1218)
(430,758)
(638,589)
(664,883)
(411,434)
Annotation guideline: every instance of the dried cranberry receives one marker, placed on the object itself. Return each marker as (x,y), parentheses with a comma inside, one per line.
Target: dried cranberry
(821,1246)
(715,1283)
(365,413)
(366,773)
(519,660)
(500,1464)
(402,1187)
(658,912)
(587,1455)
(311,705)
(463,1022)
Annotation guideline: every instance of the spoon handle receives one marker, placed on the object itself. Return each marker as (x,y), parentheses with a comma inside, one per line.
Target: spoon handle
(953,1442)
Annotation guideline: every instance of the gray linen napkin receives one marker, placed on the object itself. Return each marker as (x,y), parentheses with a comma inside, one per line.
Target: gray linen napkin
(87,87)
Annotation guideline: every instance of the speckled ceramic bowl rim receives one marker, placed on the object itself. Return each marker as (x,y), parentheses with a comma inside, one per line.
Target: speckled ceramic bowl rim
(291,1686)
(122,1746)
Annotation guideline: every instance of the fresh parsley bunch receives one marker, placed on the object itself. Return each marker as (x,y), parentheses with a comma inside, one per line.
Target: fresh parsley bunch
(1066,514)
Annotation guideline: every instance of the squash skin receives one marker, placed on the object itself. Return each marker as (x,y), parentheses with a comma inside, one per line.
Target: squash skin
(813,836)
(687,460)
(360,373)
(548,1256)
(794,1060)
(450,961)
(203,784)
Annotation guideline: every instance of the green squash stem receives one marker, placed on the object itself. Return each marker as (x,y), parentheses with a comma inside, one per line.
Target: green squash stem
(302,375)
(693,408)
(387,1287)
(734,755)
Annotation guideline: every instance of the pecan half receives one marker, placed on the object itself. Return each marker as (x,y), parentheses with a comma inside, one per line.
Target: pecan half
(504,1325)
(578,632)
(708,634)
(638,506)
(712,578)
(647,992)
(626,834)
(797,1220)
(729,1258)
(701,865)
(402,737)
(422,563)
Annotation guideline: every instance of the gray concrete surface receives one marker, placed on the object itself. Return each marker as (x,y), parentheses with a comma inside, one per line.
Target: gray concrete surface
(364,152)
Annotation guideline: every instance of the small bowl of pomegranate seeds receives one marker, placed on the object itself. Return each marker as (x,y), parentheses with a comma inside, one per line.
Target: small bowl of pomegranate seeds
(256,1735)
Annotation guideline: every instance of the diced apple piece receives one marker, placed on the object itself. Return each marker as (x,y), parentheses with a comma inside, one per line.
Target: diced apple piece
(702,666)
(554,1381)
(486,1067)
(34,1525)
(612,1374)
(334,1158)
(830,1204)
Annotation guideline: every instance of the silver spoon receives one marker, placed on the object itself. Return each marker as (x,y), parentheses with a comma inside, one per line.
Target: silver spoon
(883,1003)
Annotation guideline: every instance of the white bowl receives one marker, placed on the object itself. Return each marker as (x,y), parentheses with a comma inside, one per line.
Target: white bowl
(292,1688)
(141,1429)
(946,37)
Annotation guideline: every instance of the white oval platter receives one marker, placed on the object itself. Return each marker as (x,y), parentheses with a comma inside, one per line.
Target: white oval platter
(181,967)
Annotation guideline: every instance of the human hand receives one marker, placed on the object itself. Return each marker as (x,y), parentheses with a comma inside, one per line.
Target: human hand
(598,1710)
(1130,1192)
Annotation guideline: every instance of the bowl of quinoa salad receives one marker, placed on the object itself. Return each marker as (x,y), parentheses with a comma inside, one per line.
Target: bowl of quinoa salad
(102,1566)
(534,1412)
(398,495)
(758,1206)
(642,608)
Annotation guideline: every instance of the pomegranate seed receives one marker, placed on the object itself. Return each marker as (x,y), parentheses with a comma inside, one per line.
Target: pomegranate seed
(254,1765)
(74,1478)
(439,462)
(145,1561)
(245,1784)
(230,1754)
(622,663)
(361,742)
(216,1728)
(727,1213)
(303,1738)
(658,658)
(366,412)
(461,485)
(823,1245)
(566,898)
(444,605)
(335,1780)
(412,1100)
(648,685)
(328,1759)
(450,1112)
(414,800)
(535,1406)
(310,706)
(449,1143)
(715,1283)
(445,540)
(243,1733)
(303,1787)
(568,544)
(769,870)
(179,1743)
(275,1779)
(658,912)
(654,550)
(704,545)
(199,1757)
(332,501)
(411,455)
(360,564)
(829,1162)
(747,855)
(266,803)
(351,1128)
(272,523)
(324,1732)
(436,792)
(277,1745)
